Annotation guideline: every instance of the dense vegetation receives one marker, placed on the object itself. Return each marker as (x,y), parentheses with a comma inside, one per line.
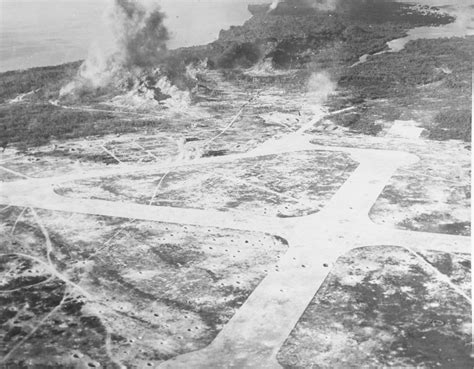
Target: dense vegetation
(308,41)
(46,80)
(433,76)
(452,124)
(36,124)
(293,39)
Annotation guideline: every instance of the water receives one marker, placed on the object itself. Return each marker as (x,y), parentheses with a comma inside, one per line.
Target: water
(37,33)
(50,32)
(463,26)
(199,22)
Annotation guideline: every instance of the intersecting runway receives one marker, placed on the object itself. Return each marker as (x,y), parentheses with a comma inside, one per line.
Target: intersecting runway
(254,335)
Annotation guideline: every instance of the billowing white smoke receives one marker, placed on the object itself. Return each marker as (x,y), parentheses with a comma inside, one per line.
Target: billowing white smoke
(274,4)
(320,86)
(152,91)
(265,68)
(139,40)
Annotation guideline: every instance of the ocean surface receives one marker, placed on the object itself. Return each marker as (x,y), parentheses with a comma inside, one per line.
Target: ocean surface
(50,32)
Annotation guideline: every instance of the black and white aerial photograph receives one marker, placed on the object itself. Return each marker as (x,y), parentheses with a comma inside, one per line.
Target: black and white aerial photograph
(236,184)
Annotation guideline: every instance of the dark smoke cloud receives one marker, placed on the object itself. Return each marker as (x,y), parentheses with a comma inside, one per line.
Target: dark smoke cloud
(140,39)
(142,35)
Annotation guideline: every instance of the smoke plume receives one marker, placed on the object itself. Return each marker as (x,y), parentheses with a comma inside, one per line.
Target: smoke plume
(139,41)
(320,86)
(142,36)
(274,5)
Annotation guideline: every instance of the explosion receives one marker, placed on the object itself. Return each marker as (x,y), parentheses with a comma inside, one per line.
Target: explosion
(139,42)
(320,86)
(274,5)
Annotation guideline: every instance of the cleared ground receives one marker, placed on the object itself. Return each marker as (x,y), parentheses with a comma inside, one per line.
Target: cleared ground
(295,184)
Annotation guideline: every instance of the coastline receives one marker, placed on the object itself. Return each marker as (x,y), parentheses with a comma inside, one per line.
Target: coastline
(75,26)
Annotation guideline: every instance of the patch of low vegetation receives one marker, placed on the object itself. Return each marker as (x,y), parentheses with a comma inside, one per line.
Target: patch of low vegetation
(294,36)
(429,81)
(354,315)
(46,81)
(420,63)
(352,120)
(36,124)
(452,124)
